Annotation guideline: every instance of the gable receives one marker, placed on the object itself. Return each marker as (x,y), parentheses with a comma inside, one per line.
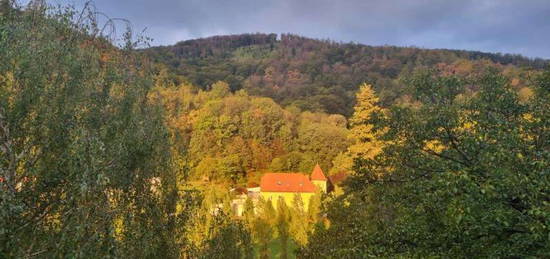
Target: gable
(318,174)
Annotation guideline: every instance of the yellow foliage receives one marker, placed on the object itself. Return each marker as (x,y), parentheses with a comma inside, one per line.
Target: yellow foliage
(343,162)
(366,150)
(525,94)
(366,104)
(434,145)
(463,66)
(469,125)
(466,123)
(363,135)
(7,83)
(528,117)
(118,224)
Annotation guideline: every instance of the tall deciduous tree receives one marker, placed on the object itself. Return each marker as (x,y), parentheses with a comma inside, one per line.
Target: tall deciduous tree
(84,157)
(458,177)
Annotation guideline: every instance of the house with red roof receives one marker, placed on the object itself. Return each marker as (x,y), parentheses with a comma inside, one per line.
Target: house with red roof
(287,186)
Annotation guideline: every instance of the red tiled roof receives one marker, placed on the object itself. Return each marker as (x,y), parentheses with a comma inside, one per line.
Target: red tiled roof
(286,182)
(318,174)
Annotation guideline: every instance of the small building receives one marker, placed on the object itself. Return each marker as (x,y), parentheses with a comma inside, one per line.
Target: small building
(287,186)
(241,195)
(237,205)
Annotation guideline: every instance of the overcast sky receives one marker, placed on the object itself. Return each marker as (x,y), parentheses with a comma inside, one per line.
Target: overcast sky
(507,26)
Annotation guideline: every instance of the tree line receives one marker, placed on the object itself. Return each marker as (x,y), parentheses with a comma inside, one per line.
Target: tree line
(320,75)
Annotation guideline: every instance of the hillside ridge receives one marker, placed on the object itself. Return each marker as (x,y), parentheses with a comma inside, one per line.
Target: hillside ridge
(249,39)
(319,75)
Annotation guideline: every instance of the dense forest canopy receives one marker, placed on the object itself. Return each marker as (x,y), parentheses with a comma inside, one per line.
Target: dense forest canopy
(230,135)
(318,75)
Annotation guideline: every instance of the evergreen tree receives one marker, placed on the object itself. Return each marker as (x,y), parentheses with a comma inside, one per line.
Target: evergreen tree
(262,227)
(366,143)
(299,222)
(282,226)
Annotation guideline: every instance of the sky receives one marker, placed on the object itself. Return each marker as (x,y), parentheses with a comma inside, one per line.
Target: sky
(506,26)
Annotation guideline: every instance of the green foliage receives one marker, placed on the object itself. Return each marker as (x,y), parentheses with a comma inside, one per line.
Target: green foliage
(282,226)
(91,166)
(261,226)
(299,221)
(212,232)
(230,239)
(456,179)
(314,209)
(320,139)
(84,158)
(97,146)
(231,135)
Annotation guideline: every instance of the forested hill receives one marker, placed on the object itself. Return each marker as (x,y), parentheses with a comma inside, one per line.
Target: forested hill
(319,75)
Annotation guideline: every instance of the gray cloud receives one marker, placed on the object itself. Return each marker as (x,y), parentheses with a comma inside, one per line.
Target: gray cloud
(508,26)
